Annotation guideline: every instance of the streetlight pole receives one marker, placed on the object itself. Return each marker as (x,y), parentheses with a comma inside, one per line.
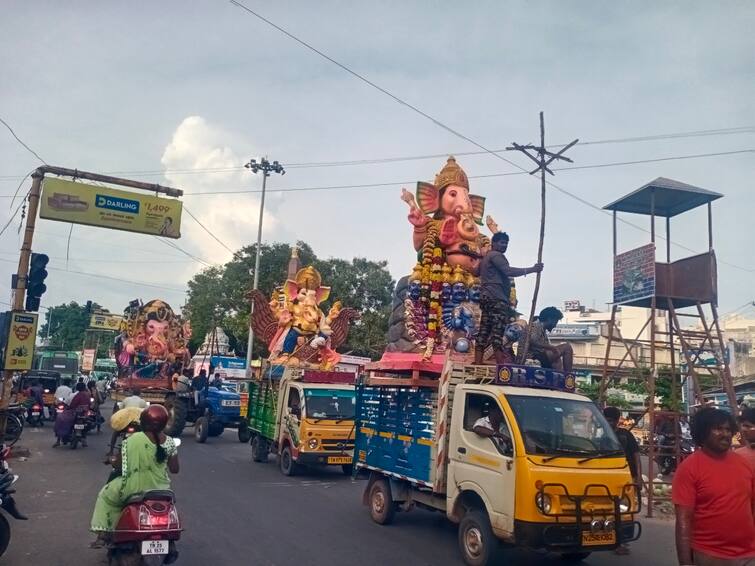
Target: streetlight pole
(266,167)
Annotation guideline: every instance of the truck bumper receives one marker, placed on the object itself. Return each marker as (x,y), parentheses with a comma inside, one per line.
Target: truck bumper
(321,458)
(567,537)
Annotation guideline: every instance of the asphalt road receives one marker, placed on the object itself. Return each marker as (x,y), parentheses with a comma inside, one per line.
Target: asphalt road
(238,512)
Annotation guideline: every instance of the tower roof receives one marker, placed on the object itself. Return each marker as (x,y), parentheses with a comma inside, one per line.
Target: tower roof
(671,198)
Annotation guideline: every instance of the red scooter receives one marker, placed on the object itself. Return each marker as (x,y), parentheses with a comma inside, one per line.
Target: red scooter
(147,531)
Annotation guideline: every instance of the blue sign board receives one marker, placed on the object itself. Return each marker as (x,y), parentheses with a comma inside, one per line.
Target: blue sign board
(531,376)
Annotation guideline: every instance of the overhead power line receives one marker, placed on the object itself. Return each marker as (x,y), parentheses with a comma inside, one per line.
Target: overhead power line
(206,229)
(432,119)
(19,140)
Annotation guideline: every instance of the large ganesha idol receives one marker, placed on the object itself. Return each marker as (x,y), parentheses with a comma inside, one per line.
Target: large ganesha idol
(296,330)
(153,340)
(437,306)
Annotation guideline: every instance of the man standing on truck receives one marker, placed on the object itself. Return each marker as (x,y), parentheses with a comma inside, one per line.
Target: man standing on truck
(495,293)
(714,497)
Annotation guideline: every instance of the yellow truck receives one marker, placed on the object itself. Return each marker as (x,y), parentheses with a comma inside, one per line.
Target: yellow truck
(303,416)
(552,477)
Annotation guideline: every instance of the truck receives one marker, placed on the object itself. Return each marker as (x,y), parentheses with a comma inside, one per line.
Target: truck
(552,477)
(65,363)
(303,416)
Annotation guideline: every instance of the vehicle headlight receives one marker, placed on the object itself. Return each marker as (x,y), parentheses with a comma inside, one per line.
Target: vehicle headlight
(543,502)
(313,443)
(625,504)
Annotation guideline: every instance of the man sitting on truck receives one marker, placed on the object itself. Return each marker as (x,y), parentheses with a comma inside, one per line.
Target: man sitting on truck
(559,357)
(493,427)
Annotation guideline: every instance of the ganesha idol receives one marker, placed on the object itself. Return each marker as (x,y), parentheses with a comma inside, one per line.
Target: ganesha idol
(295,328)
(437,306)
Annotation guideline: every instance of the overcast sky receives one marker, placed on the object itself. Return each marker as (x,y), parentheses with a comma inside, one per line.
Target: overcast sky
(155,90)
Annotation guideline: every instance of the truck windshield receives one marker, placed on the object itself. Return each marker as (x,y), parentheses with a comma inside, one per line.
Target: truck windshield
(336,404)
(553,426)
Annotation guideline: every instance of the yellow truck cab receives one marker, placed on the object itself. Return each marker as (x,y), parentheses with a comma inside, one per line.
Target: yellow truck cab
(305,417)
(554,476)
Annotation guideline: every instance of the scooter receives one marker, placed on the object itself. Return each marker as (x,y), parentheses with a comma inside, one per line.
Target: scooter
(666,459)
(35,415)
(7,503)
(147,531)
(85,420)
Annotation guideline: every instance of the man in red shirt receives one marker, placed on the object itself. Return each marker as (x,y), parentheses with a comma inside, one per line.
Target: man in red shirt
(747,430)
(714,497)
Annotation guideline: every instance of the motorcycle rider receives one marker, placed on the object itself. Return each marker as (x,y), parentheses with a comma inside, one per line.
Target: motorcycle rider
(64,423)
(134,400)
(64,391)
(146,458)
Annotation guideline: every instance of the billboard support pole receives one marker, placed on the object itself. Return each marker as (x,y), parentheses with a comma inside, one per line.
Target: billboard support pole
(21,276)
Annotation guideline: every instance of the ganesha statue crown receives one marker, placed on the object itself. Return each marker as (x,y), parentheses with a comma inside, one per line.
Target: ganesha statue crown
(451,174)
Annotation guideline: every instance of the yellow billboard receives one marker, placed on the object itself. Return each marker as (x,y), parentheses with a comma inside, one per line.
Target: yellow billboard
(21,337)
(81,203)
(106,322)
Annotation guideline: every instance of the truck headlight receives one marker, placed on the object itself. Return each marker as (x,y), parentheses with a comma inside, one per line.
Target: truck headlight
(313,443)
(543,502)
(625,504)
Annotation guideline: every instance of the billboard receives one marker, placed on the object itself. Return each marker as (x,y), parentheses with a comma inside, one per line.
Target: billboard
(105,322)
(634,275)
(87,359)
(22,334)
(80,203)
(590,331)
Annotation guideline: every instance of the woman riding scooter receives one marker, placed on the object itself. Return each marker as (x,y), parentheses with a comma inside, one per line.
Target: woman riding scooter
(146,457)
(64,422)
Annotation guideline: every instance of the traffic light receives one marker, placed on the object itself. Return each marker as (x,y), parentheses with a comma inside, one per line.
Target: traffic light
(35,282)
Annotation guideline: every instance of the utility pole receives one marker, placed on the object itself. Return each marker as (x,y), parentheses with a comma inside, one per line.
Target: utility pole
(266,167)
(543,159)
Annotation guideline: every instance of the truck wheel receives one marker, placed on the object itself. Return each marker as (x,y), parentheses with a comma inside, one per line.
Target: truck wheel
(201,429)
(476,539)
(574,557)
(177,410)
(245,435)
(215,429)
(259,449)
(287,464)
(382,509)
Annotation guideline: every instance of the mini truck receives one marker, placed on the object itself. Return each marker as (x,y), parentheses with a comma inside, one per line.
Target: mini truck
(303,416)
(554,477)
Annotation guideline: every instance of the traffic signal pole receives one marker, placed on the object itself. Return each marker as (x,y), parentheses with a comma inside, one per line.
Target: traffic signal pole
(21,276)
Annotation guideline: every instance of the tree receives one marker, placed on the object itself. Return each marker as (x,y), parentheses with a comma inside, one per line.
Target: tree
(67,325)
(217,295)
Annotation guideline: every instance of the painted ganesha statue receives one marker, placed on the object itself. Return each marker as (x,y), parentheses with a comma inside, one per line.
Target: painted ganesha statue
(437,306)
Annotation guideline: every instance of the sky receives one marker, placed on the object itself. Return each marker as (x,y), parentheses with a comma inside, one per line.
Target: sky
(165,91)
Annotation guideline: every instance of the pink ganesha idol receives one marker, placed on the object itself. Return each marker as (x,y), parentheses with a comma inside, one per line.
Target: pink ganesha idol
(444,214)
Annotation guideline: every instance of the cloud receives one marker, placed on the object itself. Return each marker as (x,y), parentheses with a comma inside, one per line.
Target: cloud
(198,145)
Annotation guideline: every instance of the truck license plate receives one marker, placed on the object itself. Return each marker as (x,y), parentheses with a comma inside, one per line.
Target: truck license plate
(598,539)
(339,459)
(150,547)
(78,426)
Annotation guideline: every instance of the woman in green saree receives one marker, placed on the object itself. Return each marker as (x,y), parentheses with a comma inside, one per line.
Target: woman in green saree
(146,459)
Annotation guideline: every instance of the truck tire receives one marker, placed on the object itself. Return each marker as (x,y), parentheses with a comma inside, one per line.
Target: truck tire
(215,429)
(259,449)
(245,435)
(574,557)
(382,508)
(201,429)
(177,411)
(287,465)
(477,542)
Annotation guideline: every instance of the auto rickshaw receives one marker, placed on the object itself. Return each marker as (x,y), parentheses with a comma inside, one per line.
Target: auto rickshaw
(49,380)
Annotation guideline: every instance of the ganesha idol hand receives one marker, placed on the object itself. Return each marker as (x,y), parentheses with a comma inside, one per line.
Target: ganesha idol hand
(417,218)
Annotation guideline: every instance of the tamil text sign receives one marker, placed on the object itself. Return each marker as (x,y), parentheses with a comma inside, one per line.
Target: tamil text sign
(80,203)
(634,275)
(87,360)
(21,336)
(105,322)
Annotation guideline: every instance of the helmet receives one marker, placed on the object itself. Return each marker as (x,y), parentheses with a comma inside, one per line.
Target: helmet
(154,418)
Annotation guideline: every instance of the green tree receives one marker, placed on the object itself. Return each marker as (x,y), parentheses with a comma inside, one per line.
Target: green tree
(67,325)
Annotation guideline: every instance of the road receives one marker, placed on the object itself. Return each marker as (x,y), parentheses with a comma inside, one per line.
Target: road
(239,512)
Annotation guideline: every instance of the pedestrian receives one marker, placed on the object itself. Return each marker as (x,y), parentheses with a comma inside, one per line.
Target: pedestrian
(631,451)
(714,497)
(559,357)
(495,301)
(747,430)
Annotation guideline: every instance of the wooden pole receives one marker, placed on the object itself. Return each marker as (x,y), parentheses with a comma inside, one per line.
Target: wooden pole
(76,174)
(21,277)
(652,376)
(710,227)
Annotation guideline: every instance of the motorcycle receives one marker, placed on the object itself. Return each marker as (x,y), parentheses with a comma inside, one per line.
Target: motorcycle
(147,530)
(35,415)
(7,503)
(666,458)
(84,423)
